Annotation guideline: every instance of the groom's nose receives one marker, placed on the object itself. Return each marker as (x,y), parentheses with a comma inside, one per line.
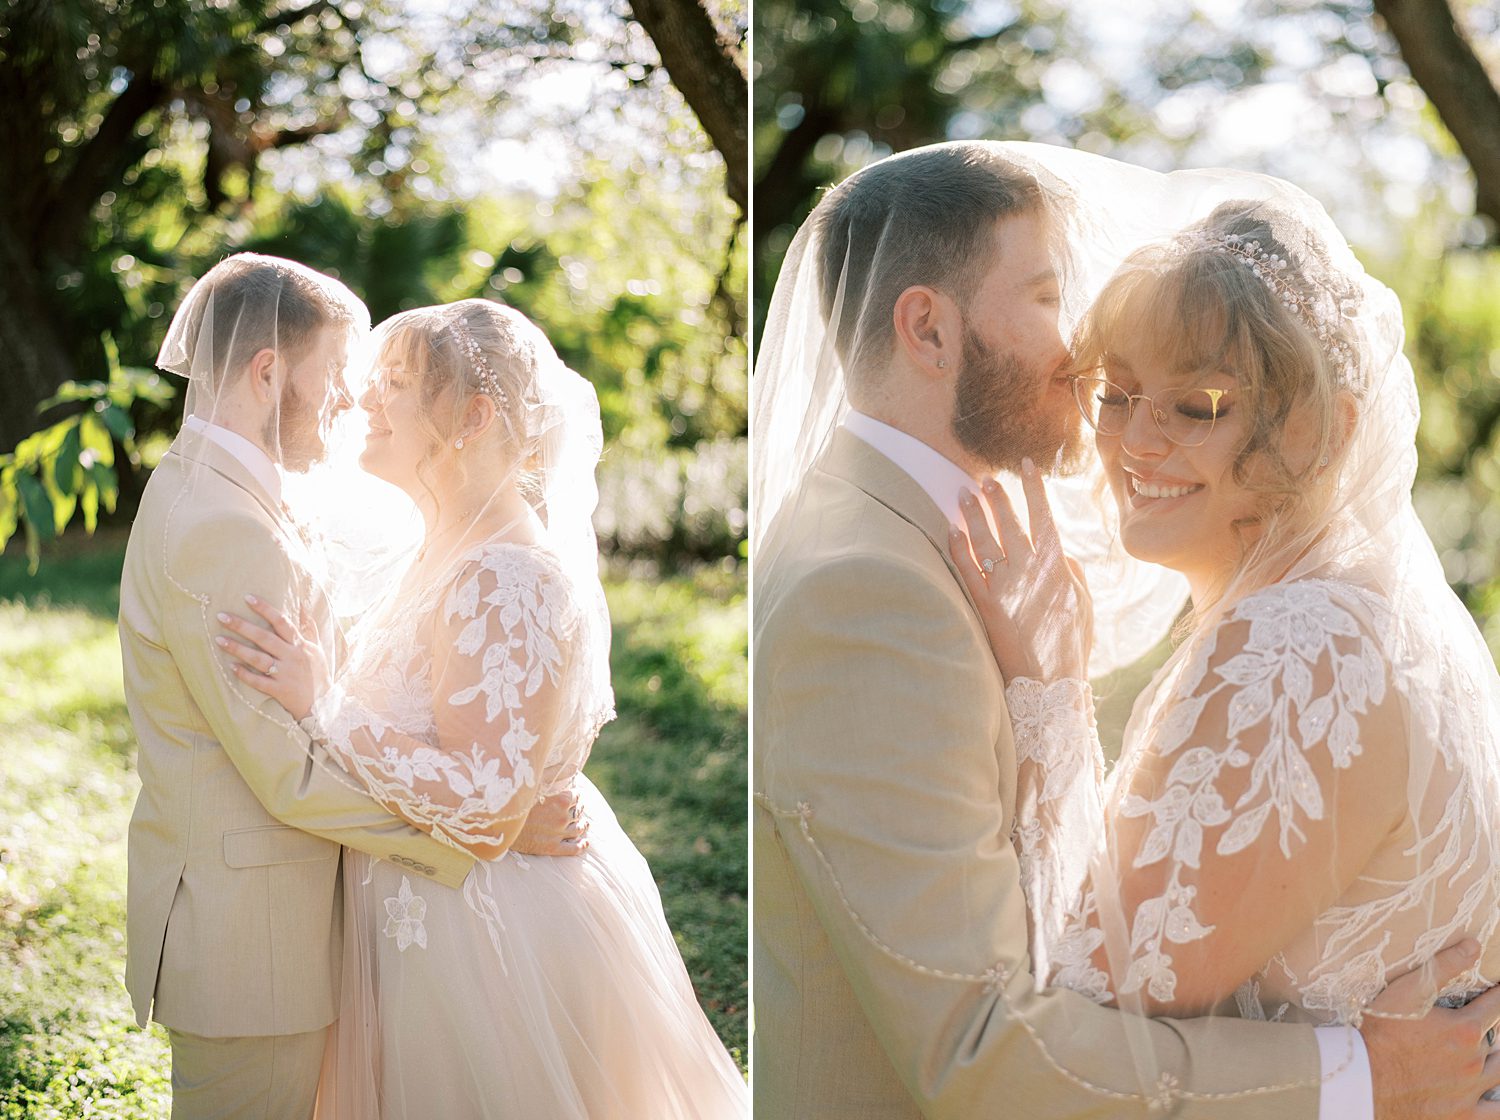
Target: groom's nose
(342,400)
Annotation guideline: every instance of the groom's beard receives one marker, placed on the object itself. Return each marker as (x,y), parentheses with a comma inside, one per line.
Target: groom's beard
(1000,417)
(300,434)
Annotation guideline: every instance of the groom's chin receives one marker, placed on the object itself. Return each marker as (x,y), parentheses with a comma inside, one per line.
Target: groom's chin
(301,458)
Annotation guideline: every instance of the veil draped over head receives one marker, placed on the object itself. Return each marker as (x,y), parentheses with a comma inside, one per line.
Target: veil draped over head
(265,327)
(1307,804)
(799,392)
(528,476)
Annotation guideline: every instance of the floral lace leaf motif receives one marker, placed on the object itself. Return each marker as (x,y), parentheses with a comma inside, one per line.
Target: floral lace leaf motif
(461,769)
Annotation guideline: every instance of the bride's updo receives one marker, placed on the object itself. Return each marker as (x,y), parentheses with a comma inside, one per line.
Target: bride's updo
(456,352)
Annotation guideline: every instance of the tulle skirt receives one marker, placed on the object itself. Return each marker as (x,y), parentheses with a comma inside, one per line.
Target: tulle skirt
(545,988)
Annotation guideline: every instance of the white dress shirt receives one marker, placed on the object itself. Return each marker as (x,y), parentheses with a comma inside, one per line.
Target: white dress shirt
(252,458)
(1347,1091)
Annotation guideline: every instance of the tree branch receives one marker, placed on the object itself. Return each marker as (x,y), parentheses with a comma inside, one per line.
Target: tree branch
(709,74)
(100,162)
(317,8)
(1455,81)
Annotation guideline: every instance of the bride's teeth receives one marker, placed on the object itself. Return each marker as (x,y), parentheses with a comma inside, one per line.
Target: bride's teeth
(1156,490)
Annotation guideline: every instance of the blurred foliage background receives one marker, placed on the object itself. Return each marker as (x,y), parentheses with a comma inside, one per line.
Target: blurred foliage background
(554,156)
(1387,112)
(582,160)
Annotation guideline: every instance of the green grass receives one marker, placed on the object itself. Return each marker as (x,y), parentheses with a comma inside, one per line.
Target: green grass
(672,765)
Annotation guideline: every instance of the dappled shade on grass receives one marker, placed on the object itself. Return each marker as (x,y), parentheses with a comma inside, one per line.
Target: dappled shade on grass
(673,766)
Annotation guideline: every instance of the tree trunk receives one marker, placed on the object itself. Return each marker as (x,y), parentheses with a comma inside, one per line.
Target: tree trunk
(37,359)
(708,73)
(1454,79)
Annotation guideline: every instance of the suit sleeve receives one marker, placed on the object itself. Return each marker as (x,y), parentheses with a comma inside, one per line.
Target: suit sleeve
(887,747)
(293,777)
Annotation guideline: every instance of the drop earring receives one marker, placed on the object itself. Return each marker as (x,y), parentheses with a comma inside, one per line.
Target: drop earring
(458,444)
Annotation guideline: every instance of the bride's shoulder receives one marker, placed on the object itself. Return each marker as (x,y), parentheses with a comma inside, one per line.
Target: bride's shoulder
(515,559)
(1326,607)
(1310,634)
(499,572)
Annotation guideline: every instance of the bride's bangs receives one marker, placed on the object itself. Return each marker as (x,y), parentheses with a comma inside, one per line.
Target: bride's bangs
(1176,314)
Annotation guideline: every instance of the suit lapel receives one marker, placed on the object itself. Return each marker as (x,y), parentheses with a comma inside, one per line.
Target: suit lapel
(857,463)
(199,452)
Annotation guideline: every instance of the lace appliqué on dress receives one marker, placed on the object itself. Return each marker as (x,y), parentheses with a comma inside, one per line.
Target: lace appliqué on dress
(454,732)
(404,915)
(1290,673)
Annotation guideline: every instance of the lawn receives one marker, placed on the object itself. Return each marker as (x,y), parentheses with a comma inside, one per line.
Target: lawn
(673,766)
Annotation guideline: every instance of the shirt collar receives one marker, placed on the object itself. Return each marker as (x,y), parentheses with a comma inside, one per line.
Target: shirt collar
(252,458)
(942,479)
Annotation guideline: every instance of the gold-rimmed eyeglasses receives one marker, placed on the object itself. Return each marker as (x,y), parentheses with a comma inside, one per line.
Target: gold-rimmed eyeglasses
(1186,416)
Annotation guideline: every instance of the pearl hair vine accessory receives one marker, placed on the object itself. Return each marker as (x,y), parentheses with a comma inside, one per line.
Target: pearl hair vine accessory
(1268,268)
(489,383)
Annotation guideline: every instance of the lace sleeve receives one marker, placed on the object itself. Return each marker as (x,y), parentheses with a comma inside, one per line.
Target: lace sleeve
(499,648)
(1270,770)
(1059,805)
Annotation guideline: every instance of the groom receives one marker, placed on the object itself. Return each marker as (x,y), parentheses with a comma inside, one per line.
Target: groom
(235,901)
(891,970)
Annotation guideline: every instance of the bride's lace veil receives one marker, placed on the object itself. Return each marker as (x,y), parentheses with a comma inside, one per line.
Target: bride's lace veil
(824,315)
(1372,693)
(504,439)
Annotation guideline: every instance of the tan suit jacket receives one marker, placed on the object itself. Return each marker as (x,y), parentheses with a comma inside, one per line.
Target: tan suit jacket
(890,961)
(235,911)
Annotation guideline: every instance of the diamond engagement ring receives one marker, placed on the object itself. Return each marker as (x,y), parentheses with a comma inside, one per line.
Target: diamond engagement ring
(271,672)
(988,564)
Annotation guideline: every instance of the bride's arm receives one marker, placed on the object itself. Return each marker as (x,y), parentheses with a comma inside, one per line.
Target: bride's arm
(1036,611)
(1256,796)
(498,652)
(1262,788)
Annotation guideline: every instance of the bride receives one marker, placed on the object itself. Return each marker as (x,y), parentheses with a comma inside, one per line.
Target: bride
(547,986)
(1308,799)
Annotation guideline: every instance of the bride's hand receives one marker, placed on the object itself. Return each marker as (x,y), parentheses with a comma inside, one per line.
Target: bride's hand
(277,658)
(1032,599)
(556,826)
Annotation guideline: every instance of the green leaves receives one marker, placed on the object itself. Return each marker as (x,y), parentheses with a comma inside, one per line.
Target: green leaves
(71,464)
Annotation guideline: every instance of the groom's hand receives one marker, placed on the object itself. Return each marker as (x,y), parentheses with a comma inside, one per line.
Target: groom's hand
(556,826)
(1436,1067)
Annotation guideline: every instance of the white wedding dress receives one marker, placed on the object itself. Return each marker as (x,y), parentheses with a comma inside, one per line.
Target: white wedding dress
(1312,766)
(546,987)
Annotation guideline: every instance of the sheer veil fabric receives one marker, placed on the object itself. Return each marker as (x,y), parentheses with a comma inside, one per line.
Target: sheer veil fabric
(1308,799)
(474,681)
(799,398)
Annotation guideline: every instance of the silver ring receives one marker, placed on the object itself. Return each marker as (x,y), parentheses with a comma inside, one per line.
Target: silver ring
(1489,1039)
(271,672)
(988,564)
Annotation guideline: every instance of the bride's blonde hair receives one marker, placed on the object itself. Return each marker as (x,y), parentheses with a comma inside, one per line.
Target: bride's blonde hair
(458,351)
(1249,291)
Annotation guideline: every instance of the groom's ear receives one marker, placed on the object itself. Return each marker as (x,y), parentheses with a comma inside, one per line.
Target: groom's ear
(261,372)
(928,330)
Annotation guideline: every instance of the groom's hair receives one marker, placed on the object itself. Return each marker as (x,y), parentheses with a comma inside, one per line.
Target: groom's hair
(923,217)
(257,303)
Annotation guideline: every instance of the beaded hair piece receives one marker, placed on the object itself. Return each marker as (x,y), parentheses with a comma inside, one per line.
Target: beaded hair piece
(1268,268)
(489,383)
